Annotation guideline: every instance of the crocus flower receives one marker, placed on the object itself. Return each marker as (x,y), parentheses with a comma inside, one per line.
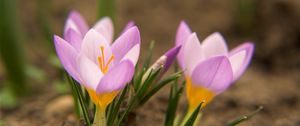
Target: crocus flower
(90,57)
(164,62)
(209,67)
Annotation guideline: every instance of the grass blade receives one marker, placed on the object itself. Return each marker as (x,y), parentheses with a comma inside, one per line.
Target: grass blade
(193,117)
(174,97)
(245,117)
(80,97)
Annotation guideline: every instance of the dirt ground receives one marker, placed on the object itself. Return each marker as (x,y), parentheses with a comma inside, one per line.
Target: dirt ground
(272,79)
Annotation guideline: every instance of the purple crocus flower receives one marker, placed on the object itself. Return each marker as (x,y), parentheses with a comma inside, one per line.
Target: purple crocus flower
(209,67)
(89,56)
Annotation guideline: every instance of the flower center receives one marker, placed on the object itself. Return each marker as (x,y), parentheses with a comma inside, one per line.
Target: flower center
(104,66)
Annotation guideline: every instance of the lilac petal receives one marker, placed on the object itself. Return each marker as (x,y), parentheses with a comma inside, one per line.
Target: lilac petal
(67,56)
(192,53)
(128,25)
(171,54)
(240,58)
(125,42)
(183,31)
(133,54)
(91,46)
(76,22)
(106,28)
(214,73)
(73,38)
(90,73)
(116,78)
(214,45)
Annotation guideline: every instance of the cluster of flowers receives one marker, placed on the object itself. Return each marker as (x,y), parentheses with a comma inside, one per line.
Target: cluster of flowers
(104,67)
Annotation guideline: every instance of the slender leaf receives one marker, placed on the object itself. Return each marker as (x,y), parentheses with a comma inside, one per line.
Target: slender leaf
(116,108)
(245,117)
(80,97)
(174,97)
(160,85)
(193,117)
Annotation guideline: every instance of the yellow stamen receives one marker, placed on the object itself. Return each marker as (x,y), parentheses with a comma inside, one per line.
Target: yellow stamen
(196,95)
(101,60)
(102,52)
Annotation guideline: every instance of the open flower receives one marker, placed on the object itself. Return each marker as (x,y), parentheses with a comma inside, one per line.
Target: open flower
(90,58)
(209,67)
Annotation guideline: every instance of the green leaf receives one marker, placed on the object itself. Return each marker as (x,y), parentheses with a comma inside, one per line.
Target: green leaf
(160,85)
(149,56)
(174,97)
(245,117)
(193,117)
(116,107)
(78,94)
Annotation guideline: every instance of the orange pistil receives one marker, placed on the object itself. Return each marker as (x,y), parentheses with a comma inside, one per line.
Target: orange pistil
(101,60)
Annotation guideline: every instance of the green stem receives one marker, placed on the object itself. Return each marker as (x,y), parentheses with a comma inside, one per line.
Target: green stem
(100,117)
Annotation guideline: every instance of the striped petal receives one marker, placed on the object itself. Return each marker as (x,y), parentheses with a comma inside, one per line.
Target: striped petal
(170,55)
(214,45)
(125,42)
(128,25)
(89,72)
(240,58)
(183,32)
(92,44)
(133,54)
(76,22)
(214,74)
(105,27)
(67,56)
(192,53)
(116,78)
(74,39)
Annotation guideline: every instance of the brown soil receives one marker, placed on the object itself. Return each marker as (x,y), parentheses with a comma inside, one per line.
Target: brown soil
(272,79)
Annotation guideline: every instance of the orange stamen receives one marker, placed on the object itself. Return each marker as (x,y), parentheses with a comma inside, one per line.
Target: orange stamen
(104,66)
(100,62)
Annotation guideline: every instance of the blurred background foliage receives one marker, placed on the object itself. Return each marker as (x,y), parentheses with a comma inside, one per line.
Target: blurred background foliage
(28,63)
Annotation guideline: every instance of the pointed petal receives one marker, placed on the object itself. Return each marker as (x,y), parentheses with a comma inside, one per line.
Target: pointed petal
(214,45)
(240,58)
(105,27)
(133,54)
(91,44)
(74,39)
(128,25)
(116,78)
(214,73)
(125,42)
(76,22)
(171,54)
(89,72)
(183,31)
(67,56)
(192,53)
